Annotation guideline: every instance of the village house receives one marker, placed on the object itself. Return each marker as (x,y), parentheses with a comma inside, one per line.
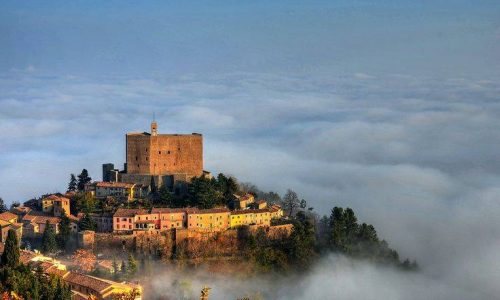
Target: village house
(120,190)
(34,223)
(259,204)
(8,221)
(142,221)
(127,220)
(103,221)
(55,205)
(242,202)
(168,218)
(80,284)
(215,219)
(261,217)
(276,211)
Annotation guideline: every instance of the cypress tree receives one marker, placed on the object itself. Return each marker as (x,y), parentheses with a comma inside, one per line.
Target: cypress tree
(10,255)
(72,183)
(49,244)
(64,231)
(83,179)
(132,265)
(3,207)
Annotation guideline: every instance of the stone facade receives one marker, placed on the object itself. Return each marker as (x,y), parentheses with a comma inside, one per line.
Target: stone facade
(164,154)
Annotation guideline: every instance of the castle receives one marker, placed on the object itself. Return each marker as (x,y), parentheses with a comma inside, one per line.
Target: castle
(169,159)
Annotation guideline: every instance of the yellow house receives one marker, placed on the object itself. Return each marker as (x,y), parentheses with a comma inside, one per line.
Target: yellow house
(260,217)
(116,189)
(215,219)
(55,205)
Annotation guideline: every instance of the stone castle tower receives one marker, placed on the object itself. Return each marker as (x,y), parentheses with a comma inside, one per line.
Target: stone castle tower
(164,154)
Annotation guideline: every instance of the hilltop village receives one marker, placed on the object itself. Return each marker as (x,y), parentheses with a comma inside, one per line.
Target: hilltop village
(108,239)
(162,202)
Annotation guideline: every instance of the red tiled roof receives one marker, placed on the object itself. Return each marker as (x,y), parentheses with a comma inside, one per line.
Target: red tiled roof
(197,211)
(20,210)
(249,211)
(129,212)
(26,256)
(57,272)
(90,282)
(6,216)
(166,210)
(40,218)
(54,197)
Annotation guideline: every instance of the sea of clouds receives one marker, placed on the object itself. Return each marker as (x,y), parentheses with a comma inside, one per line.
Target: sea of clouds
(415,156)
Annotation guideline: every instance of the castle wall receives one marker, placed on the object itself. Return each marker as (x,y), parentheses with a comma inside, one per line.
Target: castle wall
(165,154)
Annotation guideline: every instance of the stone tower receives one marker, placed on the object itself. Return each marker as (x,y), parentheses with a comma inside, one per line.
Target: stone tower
(164,154)
(154,128)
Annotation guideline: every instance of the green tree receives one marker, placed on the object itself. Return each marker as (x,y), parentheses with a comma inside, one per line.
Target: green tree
(10,255)
(123,268)
(303,204)
(15,204)
(132,265)
(87,223)
(116,269)
(301,244)
(83,179)
(165,197)
(49,244)
(73,184)
(83,202)
(64,231)
(204,192)
(337,234)
(3,207)
(63,291)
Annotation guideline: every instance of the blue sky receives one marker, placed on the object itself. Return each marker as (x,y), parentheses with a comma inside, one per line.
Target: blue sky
(389,107)
(128,38)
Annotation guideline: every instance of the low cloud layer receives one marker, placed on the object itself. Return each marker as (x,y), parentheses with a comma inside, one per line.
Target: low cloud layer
(415,156)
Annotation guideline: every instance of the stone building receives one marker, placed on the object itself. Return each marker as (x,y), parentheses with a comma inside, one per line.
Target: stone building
(170,159)
(8,221)
(55,205)
(215,219)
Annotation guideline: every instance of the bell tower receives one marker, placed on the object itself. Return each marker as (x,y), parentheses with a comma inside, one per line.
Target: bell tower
(154,128)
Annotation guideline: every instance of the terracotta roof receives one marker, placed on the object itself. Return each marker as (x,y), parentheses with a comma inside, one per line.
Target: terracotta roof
(246,197)
(6,216)
(20,210)
(166,210)
(90,282)
(39,218)
(26,256)
(114,184)
(260,201)
(57,272)
(129,212)
(206,211)
(74,218)
(4,223)
(106,263)
(54,197)
(249,211)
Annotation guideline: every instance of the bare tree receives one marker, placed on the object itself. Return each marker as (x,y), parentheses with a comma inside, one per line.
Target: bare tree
(291,202)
